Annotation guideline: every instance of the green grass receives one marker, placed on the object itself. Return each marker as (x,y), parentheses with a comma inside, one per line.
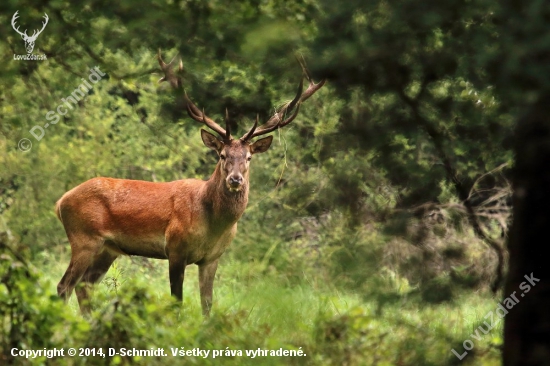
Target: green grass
(256,307)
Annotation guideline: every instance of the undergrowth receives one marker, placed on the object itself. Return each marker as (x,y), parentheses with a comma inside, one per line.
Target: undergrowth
(255,307)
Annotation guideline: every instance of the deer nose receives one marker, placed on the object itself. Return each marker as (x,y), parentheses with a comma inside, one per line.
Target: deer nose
(235,181)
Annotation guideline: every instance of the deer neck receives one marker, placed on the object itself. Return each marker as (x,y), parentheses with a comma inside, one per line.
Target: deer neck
(226,207)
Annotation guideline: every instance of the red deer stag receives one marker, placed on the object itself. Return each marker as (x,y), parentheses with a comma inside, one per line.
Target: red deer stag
(187,221)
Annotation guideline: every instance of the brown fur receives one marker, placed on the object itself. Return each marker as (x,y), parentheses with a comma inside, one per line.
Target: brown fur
(186,221)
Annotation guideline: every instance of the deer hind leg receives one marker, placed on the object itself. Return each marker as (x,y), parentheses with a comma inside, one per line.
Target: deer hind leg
(207,272)
(83,250)
(94,274)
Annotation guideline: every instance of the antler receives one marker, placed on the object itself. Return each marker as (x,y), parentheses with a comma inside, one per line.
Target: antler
(277,121)
(36,33)
(13,19)
(193,111)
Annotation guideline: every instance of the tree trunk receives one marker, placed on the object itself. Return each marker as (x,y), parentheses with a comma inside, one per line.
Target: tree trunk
(527,325)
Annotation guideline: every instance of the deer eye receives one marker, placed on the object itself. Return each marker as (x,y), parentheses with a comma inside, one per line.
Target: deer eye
(249,158)
(222,157)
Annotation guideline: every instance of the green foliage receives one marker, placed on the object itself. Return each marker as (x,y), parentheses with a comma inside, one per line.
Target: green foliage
(253,311)
(361,196)
(31,316)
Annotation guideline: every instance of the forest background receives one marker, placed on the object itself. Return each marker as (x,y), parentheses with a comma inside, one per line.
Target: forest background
(377,223)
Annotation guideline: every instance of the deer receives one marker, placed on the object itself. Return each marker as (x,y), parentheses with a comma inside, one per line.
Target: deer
(186,221)
(29,40)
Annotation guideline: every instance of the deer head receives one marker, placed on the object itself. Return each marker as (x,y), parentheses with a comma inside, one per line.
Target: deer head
(29,40)
(235,154)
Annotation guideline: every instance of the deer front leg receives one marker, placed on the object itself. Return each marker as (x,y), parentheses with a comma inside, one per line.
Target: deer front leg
(176,268)
(207,272)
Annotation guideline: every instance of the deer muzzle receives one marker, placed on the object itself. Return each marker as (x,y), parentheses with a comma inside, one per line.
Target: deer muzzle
(235,182)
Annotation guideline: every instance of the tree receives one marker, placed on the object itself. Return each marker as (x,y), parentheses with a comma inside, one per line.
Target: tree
(518,65)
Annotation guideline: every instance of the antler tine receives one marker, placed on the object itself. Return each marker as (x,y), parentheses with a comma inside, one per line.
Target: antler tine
(192,108)
(303,65)
(297,98)
(276,121)
(249,134)
(13,20)
(193,111)
(227,126)
(291,118)
(46,18)
(312,87)
(169,75)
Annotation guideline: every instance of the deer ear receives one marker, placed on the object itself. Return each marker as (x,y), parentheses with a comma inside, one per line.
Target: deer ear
(261,145)
(211,141)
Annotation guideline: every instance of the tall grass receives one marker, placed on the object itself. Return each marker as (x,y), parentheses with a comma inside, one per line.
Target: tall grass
(258,307)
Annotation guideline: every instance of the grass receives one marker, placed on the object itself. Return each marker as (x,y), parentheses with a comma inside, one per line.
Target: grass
(260,308)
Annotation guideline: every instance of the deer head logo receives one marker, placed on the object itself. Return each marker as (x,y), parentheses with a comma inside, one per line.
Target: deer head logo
(29,40)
